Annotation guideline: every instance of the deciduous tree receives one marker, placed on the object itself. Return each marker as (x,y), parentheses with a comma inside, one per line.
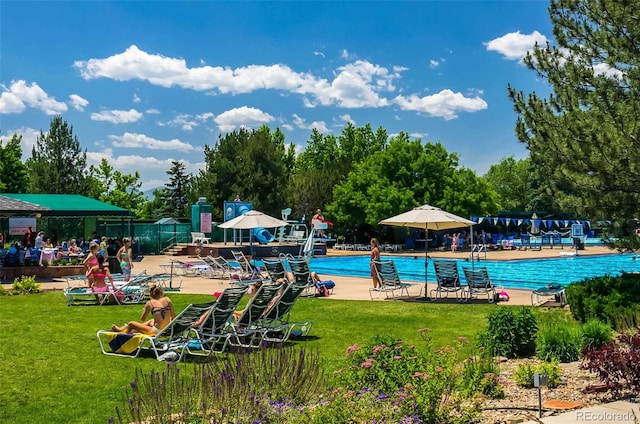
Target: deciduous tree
(14,177)
(116,188)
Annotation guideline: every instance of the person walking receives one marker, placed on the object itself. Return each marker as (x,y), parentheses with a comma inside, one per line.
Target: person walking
(375,256)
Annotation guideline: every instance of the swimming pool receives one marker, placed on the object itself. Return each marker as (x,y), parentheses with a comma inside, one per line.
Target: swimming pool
(525,274)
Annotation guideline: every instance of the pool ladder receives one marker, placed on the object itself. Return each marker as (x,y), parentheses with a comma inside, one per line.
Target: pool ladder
(476,250)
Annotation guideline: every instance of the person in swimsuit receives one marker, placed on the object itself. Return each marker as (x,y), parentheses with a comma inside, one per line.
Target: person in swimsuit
(124,257)
(375,256)
(103,247)
(91,261)
(159,307)
(98,275)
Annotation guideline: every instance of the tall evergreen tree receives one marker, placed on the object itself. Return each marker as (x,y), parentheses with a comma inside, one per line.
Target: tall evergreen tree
(174,201)
(57,162)
(585,137)
(14,177)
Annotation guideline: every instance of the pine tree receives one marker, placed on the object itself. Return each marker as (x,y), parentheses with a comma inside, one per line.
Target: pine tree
(57,163)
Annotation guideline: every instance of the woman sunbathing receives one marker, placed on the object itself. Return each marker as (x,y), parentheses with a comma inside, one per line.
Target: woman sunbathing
(161,310)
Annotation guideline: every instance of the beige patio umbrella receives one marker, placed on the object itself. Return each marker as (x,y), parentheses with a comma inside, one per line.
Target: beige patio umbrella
(253,220)
(427,217)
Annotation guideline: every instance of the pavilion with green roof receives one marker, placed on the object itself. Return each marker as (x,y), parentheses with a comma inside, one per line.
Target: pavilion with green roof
(69,215)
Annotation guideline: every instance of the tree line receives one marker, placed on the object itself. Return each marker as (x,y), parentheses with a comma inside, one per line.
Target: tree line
(583,141)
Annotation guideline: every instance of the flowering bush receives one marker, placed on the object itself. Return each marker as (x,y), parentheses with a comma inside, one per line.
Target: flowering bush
(420,385)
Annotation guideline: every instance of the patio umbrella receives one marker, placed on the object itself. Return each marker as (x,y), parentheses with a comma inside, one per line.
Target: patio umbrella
(307,248)
(252,220)
(427,218)
(534,224)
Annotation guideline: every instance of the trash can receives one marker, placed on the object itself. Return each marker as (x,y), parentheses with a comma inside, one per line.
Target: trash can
(578,244)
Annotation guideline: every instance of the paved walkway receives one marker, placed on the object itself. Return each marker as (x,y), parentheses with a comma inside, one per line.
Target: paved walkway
(620,412)
(347,288)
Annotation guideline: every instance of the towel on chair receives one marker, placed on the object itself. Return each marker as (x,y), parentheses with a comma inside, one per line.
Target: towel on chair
(125,342)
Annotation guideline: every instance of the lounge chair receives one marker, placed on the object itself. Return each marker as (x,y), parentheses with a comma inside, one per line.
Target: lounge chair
(248,274)
(188,269)
(302,273)
(557,291)
(173,337)
(275,268)
(211,335)
(448,280)
(221,268)
(278,314)
(478,283)
(389,280)
(250,329)
(125,292)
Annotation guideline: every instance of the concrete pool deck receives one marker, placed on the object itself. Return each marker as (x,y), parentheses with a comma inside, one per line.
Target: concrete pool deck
(348,288)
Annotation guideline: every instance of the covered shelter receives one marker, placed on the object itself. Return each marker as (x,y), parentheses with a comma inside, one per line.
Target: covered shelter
(66,215)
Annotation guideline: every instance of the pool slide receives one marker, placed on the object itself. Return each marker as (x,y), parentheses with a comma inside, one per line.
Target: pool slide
(260,233)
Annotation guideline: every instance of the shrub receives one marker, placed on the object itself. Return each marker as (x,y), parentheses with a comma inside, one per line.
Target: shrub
(25,285)
(524,375)
(617,363)
(559,341)
(609,299)
(244,387)
(421,384)
(596,333)
(511,332)
(480,375)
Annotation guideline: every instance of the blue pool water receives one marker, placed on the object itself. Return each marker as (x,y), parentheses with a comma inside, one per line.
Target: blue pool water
(517,274)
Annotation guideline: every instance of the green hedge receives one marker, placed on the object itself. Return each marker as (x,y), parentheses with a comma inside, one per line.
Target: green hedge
(610,299)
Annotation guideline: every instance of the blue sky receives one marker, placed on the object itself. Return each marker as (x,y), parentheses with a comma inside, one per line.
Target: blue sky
(145,83)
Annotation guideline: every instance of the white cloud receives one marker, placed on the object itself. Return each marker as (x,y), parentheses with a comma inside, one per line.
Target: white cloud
(135,141)
(136,99)
(19,95)
(242,117)
(355,85)
(346,55)
(514,46)
(117,116)
(444,104)
(152,111)
(318,54)
(29,137)
(360,84)
(183,120)
(187,121)
(347,118)
(204,117)
(418,135)
(78,102)
(321,126)
(606,70)
(433,64)
(128,164)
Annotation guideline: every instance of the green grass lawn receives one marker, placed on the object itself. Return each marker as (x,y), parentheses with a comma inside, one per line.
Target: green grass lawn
(52,370)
